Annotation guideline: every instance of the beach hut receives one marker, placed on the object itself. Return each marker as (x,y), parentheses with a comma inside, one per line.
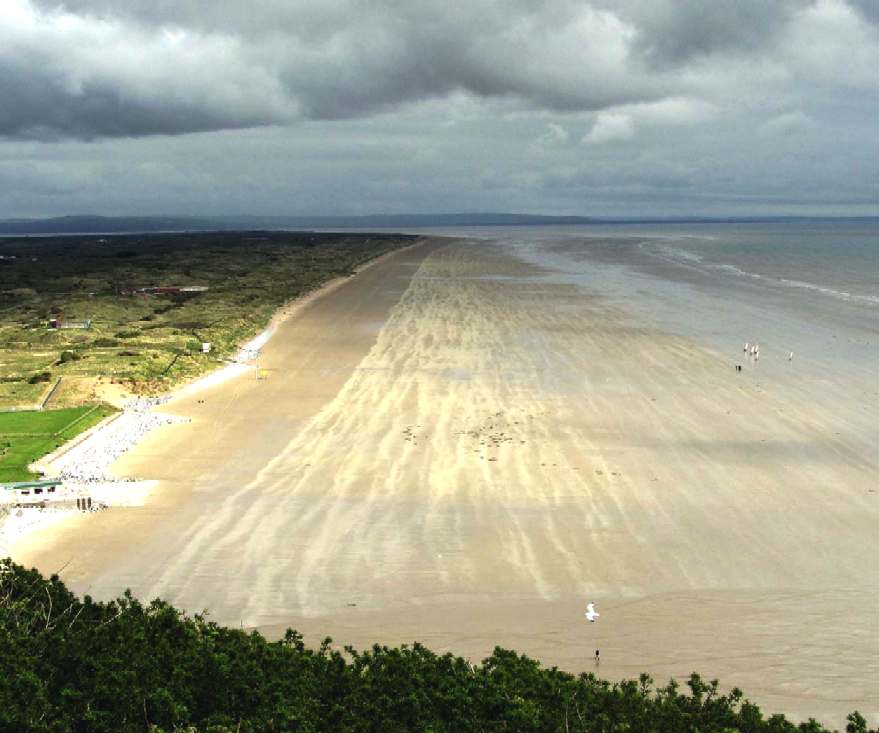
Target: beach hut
(45,493)
(31,493)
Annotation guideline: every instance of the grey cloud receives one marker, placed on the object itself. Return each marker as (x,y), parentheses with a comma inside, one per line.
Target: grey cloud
(462,106)
(333,61)
(241,64)
(868,9)
(72,76)
(677,31)
(556,65)
(41,107)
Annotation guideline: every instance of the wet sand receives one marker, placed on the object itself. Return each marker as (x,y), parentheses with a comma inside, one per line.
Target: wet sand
(454,449)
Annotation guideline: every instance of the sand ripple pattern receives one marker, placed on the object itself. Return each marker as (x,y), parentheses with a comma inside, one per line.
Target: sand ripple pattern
(508,437)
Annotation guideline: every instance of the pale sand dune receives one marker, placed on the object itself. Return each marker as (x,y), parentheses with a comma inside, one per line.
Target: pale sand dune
(469,452)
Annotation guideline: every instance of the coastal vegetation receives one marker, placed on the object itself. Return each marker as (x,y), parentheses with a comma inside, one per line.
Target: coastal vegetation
(74,664)
(29,435)
(137,309)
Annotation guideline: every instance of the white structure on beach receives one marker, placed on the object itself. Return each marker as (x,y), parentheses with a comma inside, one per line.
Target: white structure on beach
(32,493)
(41,494)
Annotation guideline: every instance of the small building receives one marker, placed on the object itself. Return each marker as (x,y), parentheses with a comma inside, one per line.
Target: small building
(84,324)
(42,493)
(205,348)
(31,493)
(59,322)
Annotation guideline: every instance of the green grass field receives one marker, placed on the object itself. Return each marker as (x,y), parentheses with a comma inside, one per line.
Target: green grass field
(29,435)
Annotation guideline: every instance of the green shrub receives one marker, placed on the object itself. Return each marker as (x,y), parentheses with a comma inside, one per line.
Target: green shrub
(105,342)
(74,664)
(40,377)
(68,356)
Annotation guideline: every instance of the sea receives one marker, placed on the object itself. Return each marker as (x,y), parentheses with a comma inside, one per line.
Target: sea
(806,291)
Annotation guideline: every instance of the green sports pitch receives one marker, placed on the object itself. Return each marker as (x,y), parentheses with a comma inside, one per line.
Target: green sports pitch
(27,436)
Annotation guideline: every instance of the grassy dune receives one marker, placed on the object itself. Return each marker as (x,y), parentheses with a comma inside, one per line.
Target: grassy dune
(149,342)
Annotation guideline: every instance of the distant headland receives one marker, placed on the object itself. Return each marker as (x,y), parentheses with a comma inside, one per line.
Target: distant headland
(87,224)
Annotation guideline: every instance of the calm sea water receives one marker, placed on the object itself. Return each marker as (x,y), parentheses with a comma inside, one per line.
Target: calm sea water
(811,288)
(838,259)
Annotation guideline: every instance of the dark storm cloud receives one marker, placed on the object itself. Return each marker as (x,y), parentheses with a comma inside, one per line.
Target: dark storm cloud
(68,75)
(575,59)
(88,68)
(353,106)
(42,106)
(329,60)
(677,31)
(869,9)
(91,68)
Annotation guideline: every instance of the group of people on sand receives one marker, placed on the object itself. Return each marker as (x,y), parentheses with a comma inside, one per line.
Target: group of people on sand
(753,350)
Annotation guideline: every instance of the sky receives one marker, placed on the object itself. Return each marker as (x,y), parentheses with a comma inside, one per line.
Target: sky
(590,107)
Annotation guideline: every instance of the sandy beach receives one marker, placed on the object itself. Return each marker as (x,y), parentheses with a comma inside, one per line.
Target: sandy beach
(454,448)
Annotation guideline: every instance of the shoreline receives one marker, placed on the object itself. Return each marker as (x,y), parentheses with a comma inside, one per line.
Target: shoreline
(235,366)
(15,528)
(247,351)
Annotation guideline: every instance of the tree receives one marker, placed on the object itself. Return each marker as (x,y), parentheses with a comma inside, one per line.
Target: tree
(74,664)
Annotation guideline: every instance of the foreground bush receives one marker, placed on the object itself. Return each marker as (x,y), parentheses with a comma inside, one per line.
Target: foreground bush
(77,665)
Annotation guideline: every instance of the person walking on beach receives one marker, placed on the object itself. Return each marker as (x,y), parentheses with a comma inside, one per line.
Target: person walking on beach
(597,658)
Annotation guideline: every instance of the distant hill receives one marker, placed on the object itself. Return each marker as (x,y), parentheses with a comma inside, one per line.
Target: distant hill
(117,225)
(383,221)
(147,224)
(104,225)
